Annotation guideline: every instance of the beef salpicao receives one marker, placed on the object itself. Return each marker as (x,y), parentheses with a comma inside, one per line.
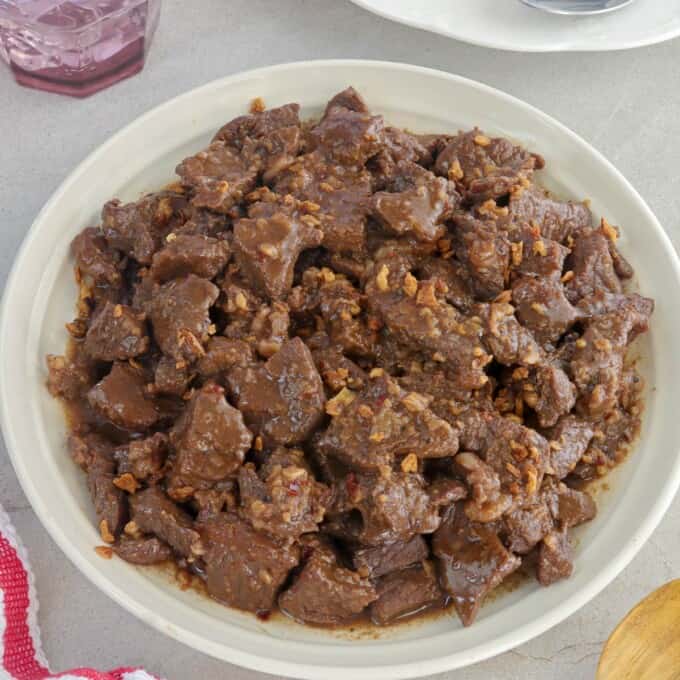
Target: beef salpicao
(340,369)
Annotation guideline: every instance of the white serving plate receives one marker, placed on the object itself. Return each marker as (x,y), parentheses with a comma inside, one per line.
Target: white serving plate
(511,25)
(40,296)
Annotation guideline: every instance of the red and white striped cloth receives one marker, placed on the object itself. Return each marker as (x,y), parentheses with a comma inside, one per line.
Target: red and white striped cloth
(21,654)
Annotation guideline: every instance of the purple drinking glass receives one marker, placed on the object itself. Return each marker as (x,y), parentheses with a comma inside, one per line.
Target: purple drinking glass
(76,47)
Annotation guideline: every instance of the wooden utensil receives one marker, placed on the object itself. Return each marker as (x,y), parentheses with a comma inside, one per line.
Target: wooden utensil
(646,644)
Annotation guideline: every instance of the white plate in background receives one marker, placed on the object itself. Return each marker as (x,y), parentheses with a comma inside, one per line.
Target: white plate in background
(511,25)
(40,296)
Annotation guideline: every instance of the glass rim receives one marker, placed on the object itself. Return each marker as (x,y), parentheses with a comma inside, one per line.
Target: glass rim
(24,22)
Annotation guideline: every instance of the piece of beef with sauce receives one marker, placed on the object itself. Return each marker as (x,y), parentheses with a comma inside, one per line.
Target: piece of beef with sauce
(342,195)
(244,568)
(116,333)
(404,593)
(218,177)
(154,513)
(485,167)
(324,592)
(379,560)
(556,220)
(485,252)
(179,315)
(284,500)
(394,506)
(136,229)
(121,397)
(267,244)
(110,502)
(283,399)
(210,440)
(143,551)
(94,259)
(369,429)
(416,202)
(201,255)
(416,317)
(472,561)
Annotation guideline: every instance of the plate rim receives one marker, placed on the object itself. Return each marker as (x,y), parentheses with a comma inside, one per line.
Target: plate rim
(229,652)
(368,6)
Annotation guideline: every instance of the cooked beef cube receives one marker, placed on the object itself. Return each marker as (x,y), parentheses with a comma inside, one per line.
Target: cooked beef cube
(597,364)
(393,505)
(121,397)
(487,503)
(172,377)
(535,255)
(569,507)
(110,502)
(201,222)
(270,328)
(633,305)
(285,501)
(260,124)
(117,332)
(179,316)
(342,195)
(554,558)
(430,325)
(136,228)
(383,421)
(143,458)
(472,561)
(550,393)
(444,491)
(154,513)
(592,265)
(340,307)
(508,341)
(244,568)
(543,308)
(516,453)
(557,220)
(485,251)
(348,98)
(485,167)
(399,146)
(143,550)
(201,255)
(376,561)
(268,243)
(338,371)
(326,593)
(274,151)
(526,526)
(84,448)
(348,137)
(282,400)
(211,502)
(569,440)
(418,204)
(218,176)
(222,354)
(210,439)
(405,592)
(68,378)
(452,277)
(94,259)
(622,267)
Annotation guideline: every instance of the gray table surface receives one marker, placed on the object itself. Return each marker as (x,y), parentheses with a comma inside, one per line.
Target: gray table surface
(625,103)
